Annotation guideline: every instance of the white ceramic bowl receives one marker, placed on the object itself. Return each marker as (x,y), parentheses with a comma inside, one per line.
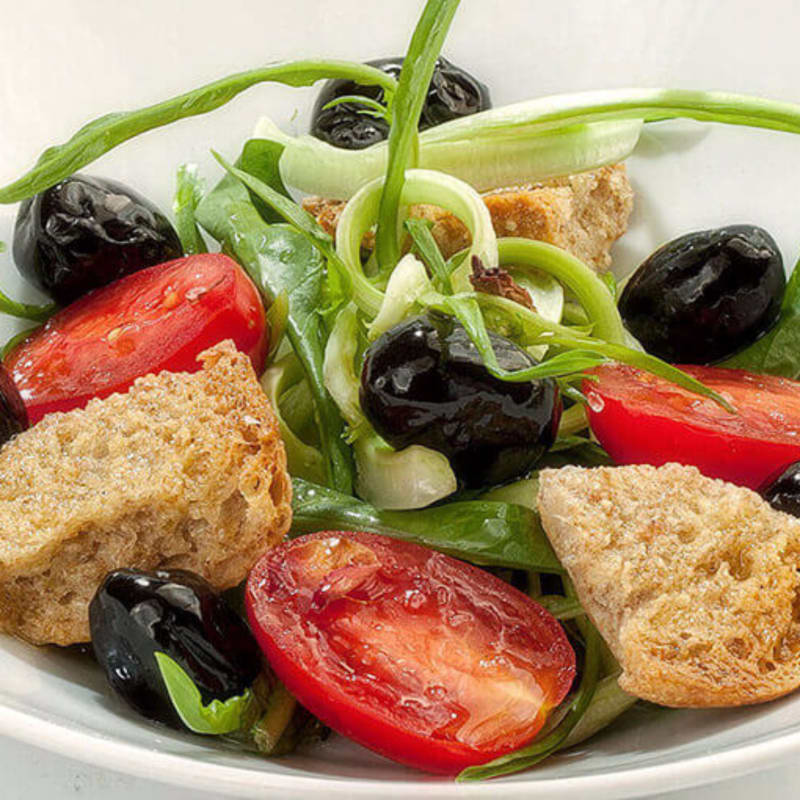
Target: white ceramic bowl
(64,63)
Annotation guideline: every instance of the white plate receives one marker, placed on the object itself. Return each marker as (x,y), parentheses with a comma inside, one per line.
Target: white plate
(63,63)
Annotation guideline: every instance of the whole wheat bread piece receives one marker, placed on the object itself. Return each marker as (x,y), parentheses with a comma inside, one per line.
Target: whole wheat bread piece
(184,470)
(693,582)
(584,214)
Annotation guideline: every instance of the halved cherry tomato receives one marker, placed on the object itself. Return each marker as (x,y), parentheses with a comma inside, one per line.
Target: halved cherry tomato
(642,419)
(420,657)
(160,318)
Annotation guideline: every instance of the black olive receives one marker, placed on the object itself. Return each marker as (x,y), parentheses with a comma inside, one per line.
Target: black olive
(135,614)
(453,93)
(86,232)
(704,296)
(423,382)
(783,492)
(13,416)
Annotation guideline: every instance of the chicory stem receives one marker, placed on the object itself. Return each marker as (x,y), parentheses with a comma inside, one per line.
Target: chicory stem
(651,105)
(412,90)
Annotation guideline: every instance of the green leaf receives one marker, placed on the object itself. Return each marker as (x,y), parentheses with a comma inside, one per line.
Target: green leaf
(427,249)
(412,90)
(777,352)
(217,717)
(279,258)
(303,222)
(260,158)
(303,460)
(277,320)
(103,134)
(188,194)
(482,532)
(529,329)
(25,310)
(554,739)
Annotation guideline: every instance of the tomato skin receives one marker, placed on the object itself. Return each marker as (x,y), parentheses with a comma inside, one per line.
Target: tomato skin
(641,419)
(366,631)
(160,318)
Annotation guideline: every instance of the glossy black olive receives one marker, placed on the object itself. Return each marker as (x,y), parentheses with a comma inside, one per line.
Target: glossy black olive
(453,93)
(13,416)
(135,614)
(423,382)
(86,232)
(783,492)
(704,296)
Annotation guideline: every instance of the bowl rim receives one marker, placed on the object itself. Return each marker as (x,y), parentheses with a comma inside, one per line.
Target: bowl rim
(135,760)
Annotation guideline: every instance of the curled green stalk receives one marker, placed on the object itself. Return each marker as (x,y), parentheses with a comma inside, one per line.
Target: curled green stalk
(412,90)
(421,186)
(111,130)
(591,291)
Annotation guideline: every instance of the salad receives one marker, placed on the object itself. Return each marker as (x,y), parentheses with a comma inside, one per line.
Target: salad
(456,385)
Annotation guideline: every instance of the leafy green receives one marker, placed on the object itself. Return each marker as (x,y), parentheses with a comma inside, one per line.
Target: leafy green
(529,329)
(26,311)
(217,717)
(260,159)
(188,194)
(483,532)
(608,703)
(277,319)
(106,132)
(279,258)
(427,249)
(303,459)
(555,738)
(412,91)
(300,220)
(778,351)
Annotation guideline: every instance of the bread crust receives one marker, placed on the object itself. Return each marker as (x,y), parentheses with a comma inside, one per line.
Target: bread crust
(583,214)
(184,470)
(693,582)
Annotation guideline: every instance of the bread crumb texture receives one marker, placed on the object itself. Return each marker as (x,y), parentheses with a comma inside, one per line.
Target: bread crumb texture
(693,582)
(183,471)
(583,214)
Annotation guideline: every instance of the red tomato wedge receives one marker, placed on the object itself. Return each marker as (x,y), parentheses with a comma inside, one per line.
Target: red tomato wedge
(418,656)
(160,318)
(642,419)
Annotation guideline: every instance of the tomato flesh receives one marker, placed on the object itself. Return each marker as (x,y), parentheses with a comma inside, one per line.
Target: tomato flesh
(642,419)
(160,318)
(416,655)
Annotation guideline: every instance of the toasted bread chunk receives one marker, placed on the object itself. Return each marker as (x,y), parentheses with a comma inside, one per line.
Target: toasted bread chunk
(584,214)
(184,470)
(693,582)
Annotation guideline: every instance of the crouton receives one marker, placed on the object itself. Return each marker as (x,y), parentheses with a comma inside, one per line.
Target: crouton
(184,470)
(584,214)
(693,582)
